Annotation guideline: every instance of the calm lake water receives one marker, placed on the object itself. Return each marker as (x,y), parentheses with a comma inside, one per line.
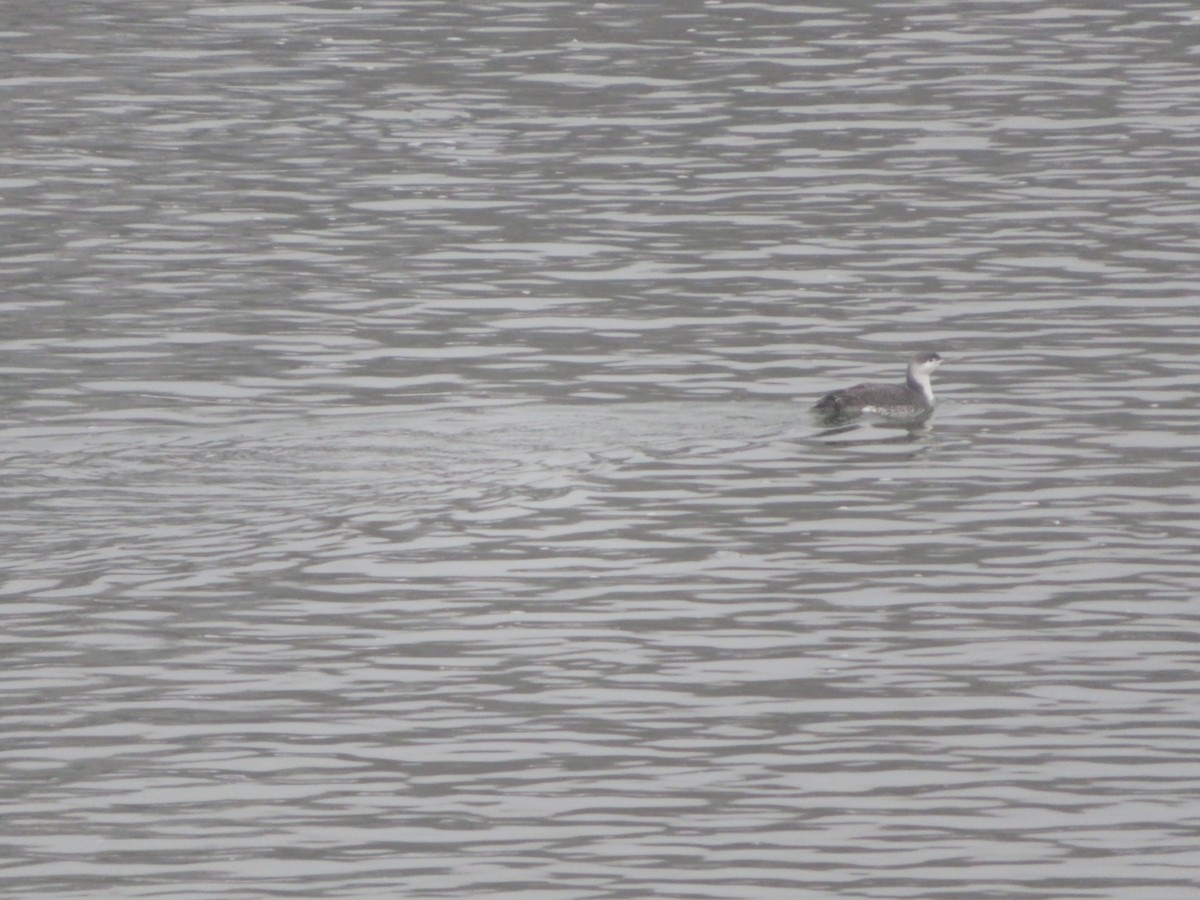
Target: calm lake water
(408,483)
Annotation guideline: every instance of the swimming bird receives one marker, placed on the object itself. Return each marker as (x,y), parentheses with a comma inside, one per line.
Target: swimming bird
(904,402)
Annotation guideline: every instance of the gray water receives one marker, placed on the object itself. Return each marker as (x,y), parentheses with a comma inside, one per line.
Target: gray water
(408,487)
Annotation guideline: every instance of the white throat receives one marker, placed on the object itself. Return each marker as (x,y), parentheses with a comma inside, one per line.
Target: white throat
(918,379)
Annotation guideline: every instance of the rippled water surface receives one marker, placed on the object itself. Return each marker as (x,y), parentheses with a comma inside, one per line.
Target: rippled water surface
(409,490)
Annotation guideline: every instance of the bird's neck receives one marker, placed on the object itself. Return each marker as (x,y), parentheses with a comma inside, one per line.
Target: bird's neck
(919,381)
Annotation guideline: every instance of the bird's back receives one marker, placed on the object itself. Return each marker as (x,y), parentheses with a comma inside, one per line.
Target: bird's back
(887,399)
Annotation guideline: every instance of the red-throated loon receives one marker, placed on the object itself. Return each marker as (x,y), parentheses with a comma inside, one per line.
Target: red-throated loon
(911,400)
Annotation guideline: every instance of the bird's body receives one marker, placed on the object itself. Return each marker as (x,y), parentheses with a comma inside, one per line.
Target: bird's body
(909,401)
